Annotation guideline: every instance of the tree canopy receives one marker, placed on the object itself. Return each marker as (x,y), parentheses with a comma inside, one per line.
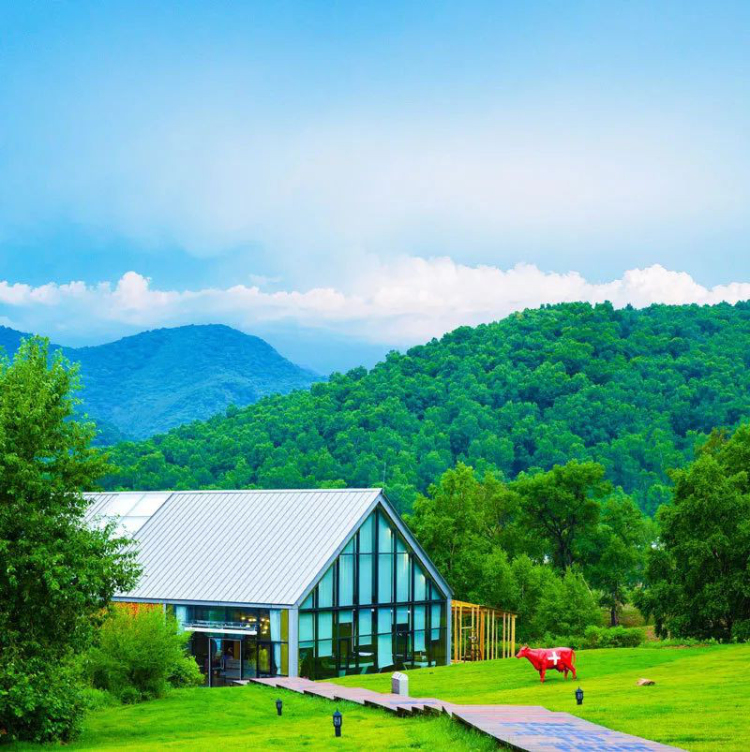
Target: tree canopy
(698,577)
(491,542)
(633,390)
(56,573)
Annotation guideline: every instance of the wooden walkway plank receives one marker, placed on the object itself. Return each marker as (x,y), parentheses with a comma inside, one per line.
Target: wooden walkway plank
(527,728)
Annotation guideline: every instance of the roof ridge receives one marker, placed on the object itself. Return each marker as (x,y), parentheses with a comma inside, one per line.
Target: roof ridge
(240,490)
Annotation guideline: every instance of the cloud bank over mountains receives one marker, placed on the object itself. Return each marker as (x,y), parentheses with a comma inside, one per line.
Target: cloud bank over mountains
(397,303)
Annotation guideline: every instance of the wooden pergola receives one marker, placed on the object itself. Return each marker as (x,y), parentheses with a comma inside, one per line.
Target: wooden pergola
(481,633)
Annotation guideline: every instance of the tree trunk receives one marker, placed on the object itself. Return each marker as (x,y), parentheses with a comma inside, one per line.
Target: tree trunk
(613,619)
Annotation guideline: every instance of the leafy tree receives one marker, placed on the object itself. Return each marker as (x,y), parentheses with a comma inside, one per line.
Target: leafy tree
(56,573)
(545,602)
(561,506)
(698,579)
(451,524)
(614,553)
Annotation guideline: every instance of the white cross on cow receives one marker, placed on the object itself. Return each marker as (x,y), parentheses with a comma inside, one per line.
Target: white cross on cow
(554,657)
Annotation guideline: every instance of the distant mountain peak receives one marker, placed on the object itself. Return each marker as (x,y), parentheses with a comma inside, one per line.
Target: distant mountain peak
(154,380)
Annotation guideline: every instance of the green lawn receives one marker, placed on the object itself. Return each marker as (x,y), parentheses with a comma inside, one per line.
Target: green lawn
(701,700)
(245,718)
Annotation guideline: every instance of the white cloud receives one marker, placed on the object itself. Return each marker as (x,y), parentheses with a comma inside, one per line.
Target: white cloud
(401,302)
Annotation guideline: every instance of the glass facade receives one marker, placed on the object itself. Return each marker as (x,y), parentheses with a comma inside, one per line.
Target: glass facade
(375,609)
(231,644)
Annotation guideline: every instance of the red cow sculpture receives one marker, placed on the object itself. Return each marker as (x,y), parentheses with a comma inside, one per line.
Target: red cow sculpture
(562,659)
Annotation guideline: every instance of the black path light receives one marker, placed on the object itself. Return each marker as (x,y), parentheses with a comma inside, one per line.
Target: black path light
(279,705)
(579,696)
(337,723)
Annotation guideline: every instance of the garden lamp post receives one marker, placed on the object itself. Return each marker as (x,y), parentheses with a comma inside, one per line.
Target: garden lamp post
(337,723)
(279,705)
(579,696)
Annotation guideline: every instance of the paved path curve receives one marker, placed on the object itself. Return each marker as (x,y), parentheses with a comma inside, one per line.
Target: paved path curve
(530,728)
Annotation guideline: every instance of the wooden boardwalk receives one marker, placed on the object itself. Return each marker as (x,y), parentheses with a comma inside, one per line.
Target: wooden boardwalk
(529,728)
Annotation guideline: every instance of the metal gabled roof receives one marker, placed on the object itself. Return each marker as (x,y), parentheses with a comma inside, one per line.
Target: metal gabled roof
(238,547)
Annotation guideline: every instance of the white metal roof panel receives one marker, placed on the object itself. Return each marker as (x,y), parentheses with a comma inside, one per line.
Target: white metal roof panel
(130,509)
(261,547)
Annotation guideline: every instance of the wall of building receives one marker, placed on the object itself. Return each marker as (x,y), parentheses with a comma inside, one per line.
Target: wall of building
(375,609)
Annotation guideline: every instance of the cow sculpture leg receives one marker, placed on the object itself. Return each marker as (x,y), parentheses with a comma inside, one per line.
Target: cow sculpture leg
(542,672)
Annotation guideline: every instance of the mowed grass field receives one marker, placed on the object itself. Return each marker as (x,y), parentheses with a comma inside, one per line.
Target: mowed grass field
(701,702)
(701,699)
(242,718)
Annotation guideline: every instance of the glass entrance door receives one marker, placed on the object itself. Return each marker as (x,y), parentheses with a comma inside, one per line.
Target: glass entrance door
(402,655)
(346,658)
(225,661)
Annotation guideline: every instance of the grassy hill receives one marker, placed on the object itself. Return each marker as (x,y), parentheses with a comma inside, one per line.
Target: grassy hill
(632,389)
(156,380)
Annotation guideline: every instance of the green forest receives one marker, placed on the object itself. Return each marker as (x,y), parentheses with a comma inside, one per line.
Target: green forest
(517,523)
(634,390)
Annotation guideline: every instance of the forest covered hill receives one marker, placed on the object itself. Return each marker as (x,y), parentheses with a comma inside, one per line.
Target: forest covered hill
(156,380)
(632,389)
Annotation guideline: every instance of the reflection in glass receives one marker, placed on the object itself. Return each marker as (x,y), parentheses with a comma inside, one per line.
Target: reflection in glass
(385,578)
(365,578)
(346,580)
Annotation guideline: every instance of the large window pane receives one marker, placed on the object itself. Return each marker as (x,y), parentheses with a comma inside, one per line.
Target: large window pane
(365,621)
(385,578)
(419,617)
(306,627)
(275,625)
(325,625)
(325,634)
(402,617)
(365,641)
(385,535)
(420,583)
(436,620)
(435,593)
(403,577)
(385,620)
(181,614)
(419,641)
(366,533)
(385,638)
(346,580)
(325,590)
(365,578)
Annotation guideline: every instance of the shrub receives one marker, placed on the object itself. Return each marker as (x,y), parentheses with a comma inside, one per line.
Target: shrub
(96,699)
(576,642)
(40,702)
(684,642)
(613,637)
(140,654)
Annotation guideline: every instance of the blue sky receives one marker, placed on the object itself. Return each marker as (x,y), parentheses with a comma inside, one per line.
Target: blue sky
(345,177)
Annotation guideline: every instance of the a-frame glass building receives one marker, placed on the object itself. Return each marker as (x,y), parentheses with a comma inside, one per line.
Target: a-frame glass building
(316,583)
